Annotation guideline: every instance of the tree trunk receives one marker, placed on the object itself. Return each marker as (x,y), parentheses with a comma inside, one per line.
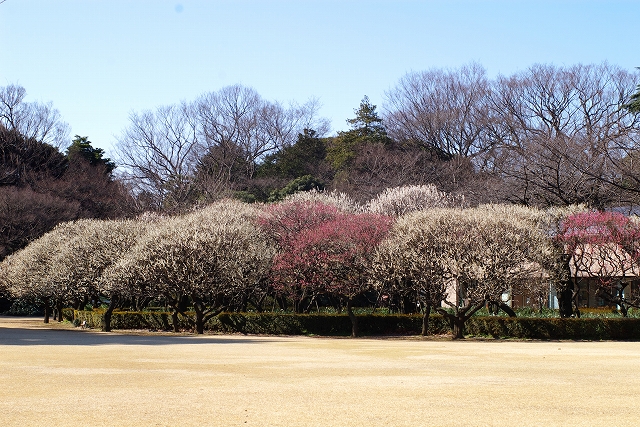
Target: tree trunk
(199,317)
(59,310)
(623,310)
(565,296)
(81,303)
(425,320)
(458,328)
(47,311)
(258,302)
(504,307)
(106,319)
(621,301)
(460,316)
(408,304)
(307,310)
(353,318)
(565,301)
(174,320)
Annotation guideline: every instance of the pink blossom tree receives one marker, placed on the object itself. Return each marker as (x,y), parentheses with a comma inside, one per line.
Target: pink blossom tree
(605,246)
(324,251)
(284,223)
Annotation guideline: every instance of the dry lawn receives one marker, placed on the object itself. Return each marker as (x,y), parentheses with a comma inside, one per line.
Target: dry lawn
(55,376)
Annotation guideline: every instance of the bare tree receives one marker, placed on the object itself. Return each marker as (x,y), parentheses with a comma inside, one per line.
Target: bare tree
(40,187)
(377,167)
(561,135)
(32,119)
(26,215)
(159,151)
(206,148)
(239,128)
(442,111)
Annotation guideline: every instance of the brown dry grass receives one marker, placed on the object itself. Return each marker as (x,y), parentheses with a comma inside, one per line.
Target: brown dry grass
(54,376)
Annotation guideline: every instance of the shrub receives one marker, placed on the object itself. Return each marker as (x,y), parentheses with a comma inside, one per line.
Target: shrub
(555,328)
(380,324)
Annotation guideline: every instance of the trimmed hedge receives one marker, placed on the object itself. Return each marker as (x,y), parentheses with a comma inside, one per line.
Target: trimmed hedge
(130,320)
(371,325)
(270,323)
(555,328)
(325,324)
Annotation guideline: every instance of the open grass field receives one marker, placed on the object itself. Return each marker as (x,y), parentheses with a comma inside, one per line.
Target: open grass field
(54,376)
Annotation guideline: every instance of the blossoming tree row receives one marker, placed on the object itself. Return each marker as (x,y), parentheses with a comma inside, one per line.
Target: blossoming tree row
(414,243)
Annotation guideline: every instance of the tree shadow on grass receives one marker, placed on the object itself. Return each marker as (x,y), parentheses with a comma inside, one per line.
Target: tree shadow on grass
(26,337)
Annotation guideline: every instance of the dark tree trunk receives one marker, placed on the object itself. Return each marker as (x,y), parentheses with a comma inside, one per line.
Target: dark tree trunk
(566,294)
(174,321)
(459,317)
(106,319)
(299,302)
(199,318)
(565,302)
(353,318)
(282,302)
(623,310)
(493,308)
(504,307)
(244,303)
(621,301)
(425,320)
(81,303)
(309,306)
(179,305)
(47,311)
(457,328)
(59,310)
(615,297)
(258,302)
(408,304)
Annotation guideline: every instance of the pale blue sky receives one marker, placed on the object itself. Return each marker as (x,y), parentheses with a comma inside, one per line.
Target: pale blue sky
(98,60)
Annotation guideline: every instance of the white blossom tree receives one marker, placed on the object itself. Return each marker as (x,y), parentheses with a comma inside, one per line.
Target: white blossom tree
(31,274)
(213,257)
(479,254)
(63,266)
(401,200)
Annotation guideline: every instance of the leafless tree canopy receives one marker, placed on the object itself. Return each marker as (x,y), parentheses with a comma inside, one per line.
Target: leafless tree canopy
(443,111)
(159,151)
(206,145)
(561,135)
(34,120)
(553,135)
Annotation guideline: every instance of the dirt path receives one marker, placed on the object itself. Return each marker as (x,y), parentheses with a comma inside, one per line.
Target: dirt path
(56,376)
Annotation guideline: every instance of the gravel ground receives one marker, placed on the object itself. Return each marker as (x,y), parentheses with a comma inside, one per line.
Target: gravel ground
(55,375)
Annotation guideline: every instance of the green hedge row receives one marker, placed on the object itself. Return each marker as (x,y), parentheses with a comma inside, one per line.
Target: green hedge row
(555,328)
(270,323)
(339,325)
